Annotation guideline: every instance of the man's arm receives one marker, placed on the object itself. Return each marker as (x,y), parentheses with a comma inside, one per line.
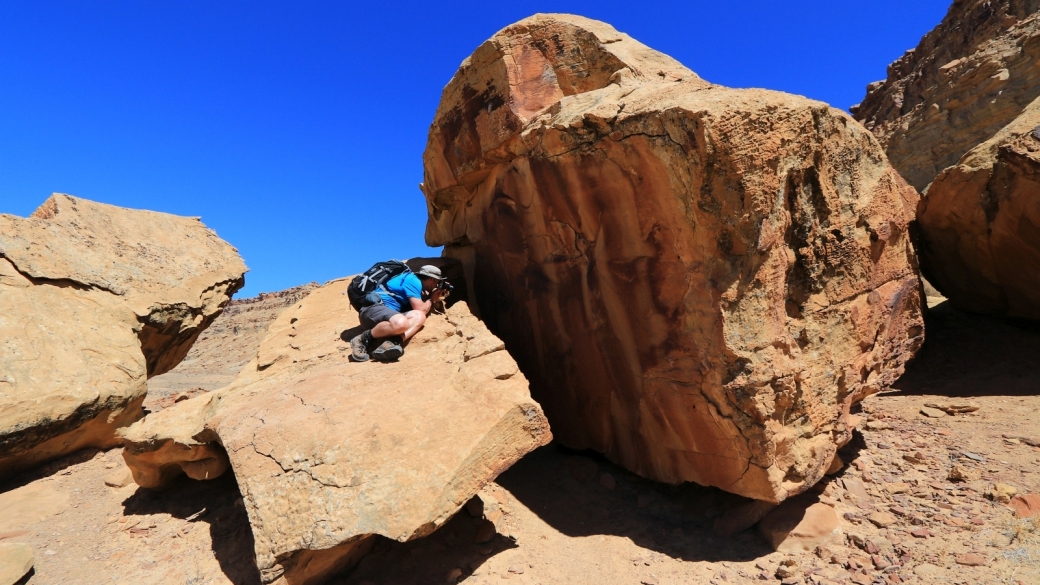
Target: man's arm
(421,305)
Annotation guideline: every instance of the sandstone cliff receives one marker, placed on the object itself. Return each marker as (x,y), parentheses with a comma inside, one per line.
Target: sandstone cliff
(329,453)
(698,281)
(968,78)
(94,299)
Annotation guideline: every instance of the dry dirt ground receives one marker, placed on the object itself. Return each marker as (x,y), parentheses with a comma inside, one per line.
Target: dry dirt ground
(574,518)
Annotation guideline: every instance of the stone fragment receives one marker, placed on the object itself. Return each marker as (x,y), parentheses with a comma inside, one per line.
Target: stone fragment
(16,560)
(94,299)
(972,560)
(742,517)
(119,478)
(878,425)
(932,412)
(882,519)
(856,488)
(329,453)
(454,575)
(955,407)
(1001,492)
(836,465)
(798,525)
(961,474)
(1025,505)
(619,220)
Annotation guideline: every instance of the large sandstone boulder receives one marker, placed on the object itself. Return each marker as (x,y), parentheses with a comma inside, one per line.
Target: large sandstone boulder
(329,453)
(94,299)
(968,78)
(698,281)
(980,224)
(959,116)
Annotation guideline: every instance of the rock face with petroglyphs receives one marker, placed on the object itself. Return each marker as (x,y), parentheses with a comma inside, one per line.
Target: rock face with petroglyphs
(698,281)
(329,453)
(958,116)
(94,299)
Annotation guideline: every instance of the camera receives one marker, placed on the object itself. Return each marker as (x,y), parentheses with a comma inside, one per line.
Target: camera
(445,285)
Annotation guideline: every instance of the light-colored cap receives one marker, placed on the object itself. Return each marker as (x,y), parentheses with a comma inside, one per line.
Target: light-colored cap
(430,271)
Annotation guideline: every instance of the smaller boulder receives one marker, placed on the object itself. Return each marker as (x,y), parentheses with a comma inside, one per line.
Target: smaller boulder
(1026,506)
(800,524)
(16,560)
(742,517)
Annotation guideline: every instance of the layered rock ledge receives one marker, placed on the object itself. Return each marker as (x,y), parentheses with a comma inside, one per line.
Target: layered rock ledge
(329,453)
(94,299)
(698,281)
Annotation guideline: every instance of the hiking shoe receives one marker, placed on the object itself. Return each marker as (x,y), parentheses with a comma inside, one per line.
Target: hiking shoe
(359,349)
(388,351)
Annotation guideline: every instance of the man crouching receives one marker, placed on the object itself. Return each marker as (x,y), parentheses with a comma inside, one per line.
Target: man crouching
(387,326)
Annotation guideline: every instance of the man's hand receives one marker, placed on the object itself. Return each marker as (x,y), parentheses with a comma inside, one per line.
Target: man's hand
(439,295)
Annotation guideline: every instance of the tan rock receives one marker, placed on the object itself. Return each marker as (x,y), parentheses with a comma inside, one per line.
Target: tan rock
(119,478)
(1025,506)
(836,465)
(932,412)
(972,560)
(955,407)
(329,453)
(959,473)
(798,525)
(882,519)
(93,300)
(27,505)
(16,560)
(623,228)
(1002,492)
(980,240)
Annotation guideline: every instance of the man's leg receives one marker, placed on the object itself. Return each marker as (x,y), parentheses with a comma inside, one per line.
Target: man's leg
(404,324)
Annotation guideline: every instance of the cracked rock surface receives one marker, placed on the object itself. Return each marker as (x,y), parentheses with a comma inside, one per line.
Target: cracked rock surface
(94,299)
(960,119)
(698,281)
(329,453)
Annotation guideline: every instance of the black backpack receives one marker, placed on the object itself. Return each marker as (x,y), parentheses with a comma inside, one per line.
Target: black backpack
(361,291)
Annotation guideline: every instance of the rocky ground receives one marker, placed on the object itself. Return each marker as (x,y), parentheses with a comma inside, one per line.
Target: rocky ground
(922,499)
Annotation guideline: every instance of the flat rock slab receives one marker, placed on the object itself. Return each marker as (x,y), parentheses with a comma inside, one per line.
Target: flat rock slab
(16,560)
(328,452)
(800,525)
(699,281)
(94,299)
(29,504)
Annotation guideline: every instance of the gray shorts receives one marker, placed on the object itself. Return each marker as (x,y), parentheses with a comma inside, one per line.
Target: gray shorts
(373,315)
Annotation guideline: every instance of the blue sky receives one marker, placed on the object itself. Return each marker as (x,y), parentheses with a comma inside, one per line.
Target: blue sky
(296,129)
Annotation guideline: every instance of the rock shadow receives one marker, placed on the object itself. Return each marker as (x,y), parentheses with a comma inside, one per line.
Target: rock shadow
(228,523)
(584,494)
(966,355)
(427,560)
(50,468)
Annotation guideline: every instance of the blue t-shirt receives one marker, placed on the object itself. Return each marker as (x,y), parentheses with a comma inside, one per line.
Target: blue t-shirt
(399,289)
